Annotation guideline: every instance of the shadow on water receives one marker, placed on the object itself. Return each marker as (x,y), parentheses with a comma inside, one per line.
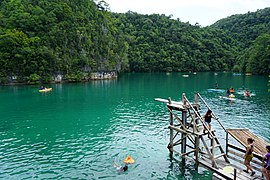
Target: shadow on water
(187,170)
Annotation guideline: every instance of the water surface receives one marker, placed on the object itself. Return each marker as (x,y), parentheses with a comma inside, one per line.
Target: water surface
(80,130)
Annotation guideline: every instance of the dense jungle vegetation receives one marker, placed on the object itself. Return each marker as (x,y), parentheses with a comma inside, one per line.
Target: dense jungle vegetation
(40,39)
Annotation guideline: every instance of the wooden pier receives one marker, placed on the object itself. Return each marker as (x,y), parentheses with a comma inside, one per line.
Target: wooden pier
(197,142)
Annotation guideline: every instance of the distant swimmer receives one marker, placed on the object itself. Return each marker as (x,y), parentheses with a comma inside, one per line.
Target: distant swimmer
(121,169)
(216,85)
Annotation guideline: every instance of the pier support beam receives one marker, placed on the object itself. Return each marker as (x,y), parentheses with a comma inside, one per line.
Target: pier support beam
(184,136)
(170,145)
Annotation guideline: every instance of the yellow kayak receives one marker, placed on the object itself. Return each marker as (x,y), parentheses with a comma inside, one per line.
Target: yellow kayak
(45,90)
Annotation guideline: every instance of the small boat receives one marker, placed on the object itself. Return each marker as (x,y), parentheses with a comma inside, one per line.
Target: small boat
(45,90)
(228,98)
(216,90)
(185,75)
(249,95)
(237,74)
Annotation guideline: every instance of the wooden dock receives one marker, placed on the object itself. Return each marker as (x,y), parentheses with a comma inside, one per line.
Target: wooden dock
(241,136)
(201,144)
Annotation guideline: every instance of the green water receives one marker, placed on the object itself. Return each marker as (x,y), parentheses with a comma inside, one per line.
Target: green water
(78,131)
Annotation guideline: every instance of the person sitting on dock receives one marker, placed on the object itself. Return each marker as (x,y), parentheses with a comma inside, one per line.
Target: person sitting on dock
(248,156)
(266,167)
(207,119)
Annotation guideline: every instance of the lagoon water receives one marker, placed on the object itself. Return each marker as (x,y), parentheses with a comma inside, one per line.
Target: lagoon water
(80,130)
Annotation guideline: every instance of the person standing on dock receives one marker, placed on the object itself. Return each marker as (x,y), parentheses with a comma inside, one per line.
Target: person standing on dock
(207,119)
(248,156)
(266,167)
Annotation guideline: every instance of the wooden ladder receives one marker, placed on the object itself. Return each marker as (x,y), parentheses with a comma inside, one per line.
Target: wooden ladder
(214,142)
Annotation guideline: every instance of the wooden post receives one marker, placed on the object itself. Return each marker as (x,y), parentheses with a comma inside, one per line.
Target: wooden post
(196,153)
(212,151)
(197,140)
(184,122)
(234,174)
(227,140)
(170,146)
(196,101)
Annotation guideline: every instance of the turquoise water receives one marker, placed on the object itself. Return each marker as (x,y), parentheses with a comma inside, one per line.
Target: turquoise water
(79,131)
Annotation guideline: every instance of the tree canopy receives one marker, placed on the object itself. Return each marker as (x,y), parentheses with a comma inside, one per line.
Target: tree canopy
(40,39)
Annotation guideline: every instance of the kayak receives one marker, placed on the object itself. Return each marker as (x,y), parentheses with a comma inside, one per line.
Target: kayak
(45,90)
(244,94)
(216,90)
(228,98)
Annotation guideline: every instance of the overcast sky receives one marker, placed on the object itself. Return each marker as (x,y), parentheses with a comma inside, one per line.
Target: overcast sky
(205,12)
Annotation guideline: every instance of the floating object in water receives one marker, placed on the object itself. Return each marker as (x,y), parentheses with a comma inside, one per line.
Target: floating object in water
(227,98)
(248,74)
(228,169)
(244,94)
(129,160)
(216,74)
(45,90)
(231,96)
(185,75)
(237,74)
(216,90)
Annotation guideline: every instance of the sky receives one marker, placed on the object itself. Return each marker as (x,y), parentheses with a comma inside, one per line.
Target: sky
(204,12)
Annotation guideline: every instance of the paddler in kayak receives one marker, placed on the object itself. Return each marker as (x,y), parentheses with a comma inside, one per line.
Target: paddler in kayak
(231,90)
(247,94)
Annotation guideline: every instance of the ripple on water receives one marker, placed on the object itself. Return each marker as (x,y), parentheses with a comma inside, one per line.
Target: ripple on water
(78,136)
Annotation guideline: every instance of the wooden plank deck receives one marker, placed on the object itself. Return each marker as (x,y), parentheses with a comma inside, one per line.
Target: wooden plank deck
(240,174)
(174,104)
(241,135)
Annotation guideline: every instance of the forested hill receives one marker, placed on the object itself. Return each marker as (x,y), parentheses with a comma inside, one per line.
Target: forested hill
(41,39)
(159,43)
(245,28)
(252,32)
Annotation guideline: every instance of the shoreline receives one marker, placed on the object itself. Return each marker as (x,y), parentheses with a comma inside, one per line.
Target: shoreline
(60,80)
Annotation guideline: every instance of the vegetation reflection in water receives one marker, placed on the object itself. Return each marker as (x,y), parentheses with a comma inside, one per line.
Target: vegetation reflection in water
(80,130)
